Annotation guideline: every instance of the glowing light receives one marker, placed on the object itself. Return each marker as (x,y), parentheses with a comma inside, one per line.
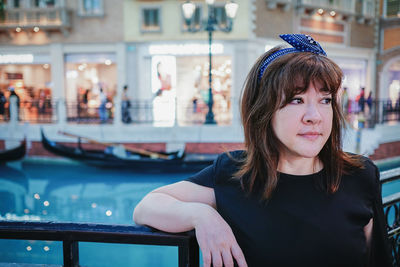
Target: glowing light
(108,212)
(320,11)
(107,62)
(46,203)
(26,211)
(36,196)
(28,248)
(46,66)
(332,13)
(36,29)
(16,58)
(94,205)
(46,248)
(72,74)
(18,29)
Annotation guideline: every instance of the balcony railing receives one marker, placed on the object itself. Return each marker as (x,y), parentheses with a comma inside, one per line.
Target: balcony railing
(49,18)
(364,9)
(347,6)
(72,233)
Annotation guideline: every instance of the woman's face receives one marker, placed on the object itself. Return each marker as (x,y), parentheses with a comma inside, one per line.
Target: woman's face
(304,125)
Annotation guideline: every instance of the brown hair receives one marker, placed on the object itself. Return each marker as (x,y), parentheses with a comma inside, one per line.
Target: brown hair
(262,97)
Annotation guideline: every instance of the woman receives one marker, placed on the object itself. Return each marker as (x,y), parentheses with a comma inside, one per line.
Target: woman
(293,197)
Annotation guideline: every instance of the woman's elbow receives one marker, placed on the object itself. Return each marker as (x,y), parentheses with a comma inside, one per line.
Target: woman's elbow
(137,215)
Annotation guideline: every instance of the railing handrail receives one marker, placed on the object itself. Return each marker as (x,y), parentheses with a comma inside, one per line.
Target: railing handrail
(72,233)
(389,175)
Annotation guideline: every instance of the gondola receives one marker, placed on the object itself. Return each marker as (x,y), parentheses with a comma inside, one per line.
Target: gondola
(12,154)
(110,158)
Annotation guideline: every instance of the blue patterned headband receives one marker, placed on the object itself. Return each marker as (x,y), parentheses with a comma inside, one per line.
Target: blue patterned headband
(299,42)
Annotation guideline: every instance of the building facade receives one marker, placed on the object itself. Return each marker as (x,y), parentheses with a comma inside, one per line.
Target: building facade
(388,63)
(69,51)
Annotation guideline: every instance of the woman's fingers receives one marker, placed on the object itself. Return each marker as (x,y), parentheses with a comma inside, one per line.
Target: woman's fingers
(227,258)
(206,258)
(237,253)
(217,259)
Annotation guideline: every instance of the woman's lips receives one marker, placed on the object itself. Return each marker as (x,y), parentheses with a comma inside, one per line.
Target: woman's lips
(310,135)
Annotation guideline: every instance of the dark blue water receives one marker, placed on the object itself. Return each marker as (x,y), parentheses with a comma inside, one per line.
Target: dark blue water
(67,191)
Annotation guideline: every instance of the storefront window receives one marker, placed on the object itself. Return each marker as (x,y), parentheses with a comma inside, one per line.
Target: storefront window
(354,79)
(163,85)
(91,84)
(394,82)
(193,89)
(32,84)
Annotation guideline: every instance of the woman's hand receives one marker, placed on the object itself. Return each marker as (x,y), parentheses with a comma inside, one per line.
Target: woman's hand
(216,240)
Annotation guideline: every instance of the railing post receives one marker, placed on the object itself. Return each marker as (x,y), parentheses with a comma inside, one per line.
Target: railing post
(188,254)
(71,253)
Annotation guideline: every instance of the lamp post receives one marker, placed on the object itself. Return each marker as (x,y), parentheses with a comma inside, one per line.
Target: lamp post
(210,24)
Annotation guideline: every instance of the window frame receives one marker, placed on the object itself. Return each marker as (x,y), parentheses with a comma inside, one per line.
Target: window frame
(143,8)
(83,13)
(385,10)
(222,6)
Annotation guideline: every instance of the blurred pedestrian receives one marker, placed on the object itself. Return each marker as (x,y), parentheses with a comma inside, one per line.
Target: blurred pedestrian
(125,106)
(369,101)
(13,94)
(345,101)
(3,101)
(102,107)
(361,100)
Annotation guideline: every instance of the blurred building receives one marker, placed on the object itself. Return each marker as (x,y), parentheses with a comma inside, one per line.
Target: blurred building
(61,47)
(388,61)
(68,50)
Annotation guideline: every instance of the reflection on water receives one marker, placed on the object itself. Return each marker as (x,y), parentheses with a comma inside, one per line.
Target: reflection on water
(70,192)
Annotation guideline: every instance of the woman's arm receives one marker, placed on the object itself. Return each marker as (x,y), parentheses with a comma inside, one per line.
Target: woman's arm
(185,206)
(175,207)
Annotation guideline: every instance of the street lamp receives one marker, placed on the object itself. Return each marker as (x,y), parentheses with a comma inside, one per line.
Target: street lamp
(210,24)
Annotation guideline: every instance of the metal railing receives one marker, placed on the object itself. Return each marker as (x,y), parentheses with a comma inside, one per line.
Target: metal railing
(182,113)
(391,205)
(80,113)
(33,112)
(49,17)
(372,113)
(72,233)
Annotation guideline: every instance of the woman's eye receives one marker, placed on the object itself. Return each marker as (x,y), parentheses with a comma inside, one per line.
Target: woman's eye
(327,100)
(296,100)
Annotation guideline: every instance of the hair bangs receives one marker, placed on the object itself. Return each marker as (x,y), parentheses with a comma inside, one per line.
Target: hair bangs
(298,70)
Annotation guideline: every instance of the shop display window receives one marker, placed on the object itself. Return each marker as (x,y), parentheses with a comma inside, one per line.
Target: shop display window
(32,84)
(180,86)
(91,84)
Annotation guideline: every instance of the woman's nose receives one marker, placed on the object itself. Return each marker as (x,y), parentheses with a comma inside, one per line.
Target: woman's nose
(312,114)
